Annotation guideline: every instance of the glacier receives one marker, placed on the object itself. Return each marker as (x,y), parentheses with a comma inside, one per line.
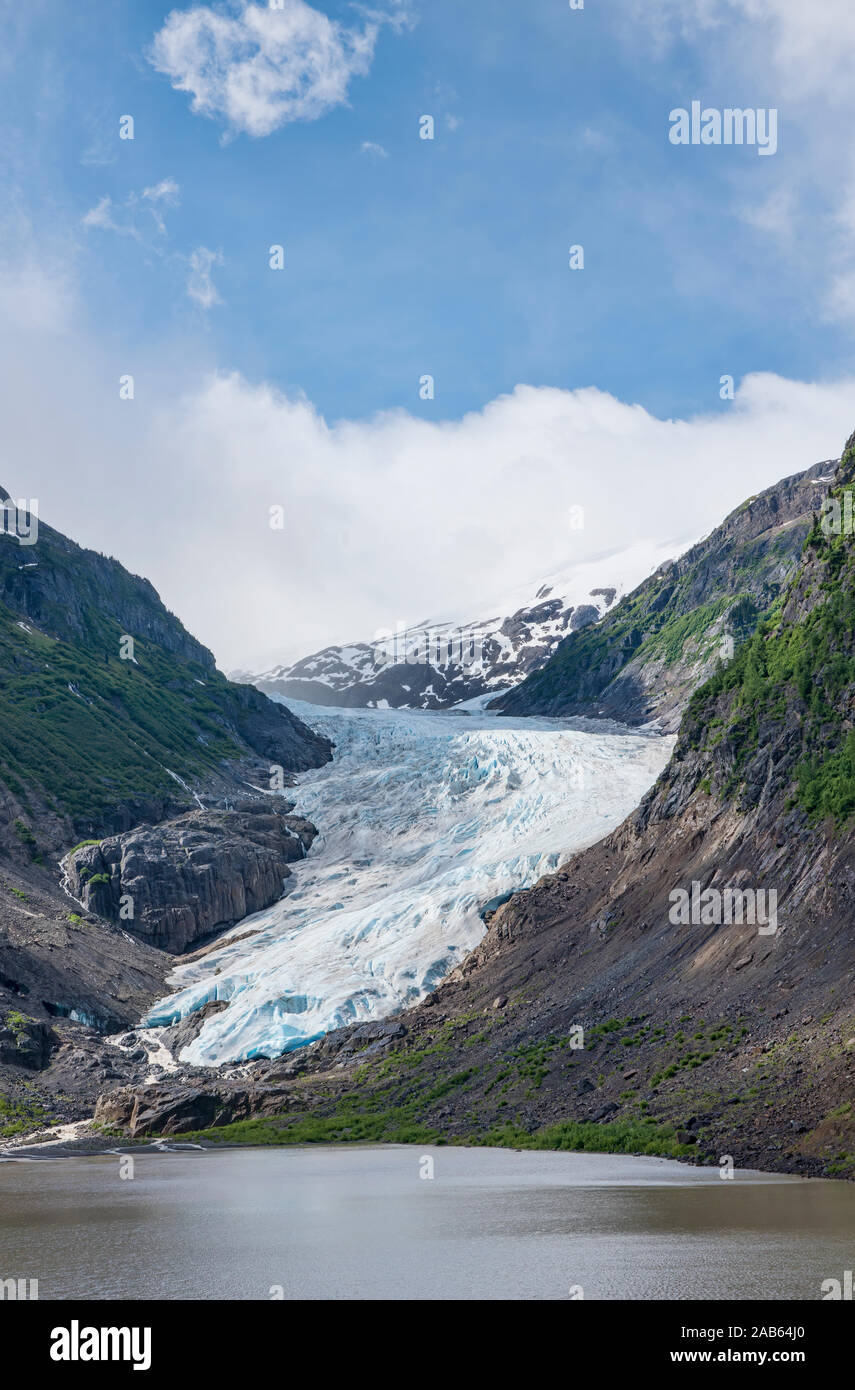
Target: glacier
(425,820)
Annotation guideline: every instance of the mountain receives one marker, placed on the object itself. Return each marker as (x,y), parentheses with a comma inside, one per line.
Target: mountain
(112,715)
(698,1038)
(99,732)
(643,998)
(439,663)
(664,639)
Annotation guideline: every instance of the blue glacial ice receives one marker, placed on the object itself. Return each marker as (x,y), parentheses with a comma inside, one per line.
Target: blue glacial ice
(424,820)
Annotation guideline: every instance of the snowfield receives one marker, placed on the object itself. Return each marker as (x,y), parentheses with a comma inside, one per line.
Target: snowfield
(424,819)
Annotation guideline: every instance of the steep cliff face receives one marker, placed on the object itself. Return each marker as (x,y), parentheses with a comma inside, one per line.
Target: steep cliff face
(663,640)
(111,712)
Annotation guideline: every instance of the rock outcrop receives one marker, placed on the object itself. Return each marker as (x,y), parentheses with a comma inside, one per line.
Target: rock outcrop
(26,1042)
(167,1108)
(176,883)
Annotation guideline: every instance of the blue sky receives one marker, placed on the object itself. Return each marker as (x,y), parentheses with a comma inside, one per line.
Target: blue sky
(449,257)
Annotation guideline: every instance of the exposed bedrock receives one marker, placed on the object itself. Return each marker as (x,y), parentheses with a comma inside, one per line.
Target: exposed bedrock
(186,878)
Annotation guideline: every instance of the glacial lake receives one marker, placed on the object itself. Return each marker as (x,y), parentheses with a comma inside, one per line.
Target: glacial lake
(361,1222)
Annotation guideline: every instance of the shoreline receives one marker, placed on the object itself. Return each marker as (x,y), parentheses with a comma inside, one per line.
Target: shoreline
(85,1145)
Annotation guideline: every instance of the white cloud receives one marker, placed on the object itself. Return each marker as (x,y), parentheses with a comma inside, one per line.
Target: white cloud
(102,216)
(166,191)
(257,68)
(200,286)
(395,518)
(812,44)
(35,298)
(839,304)
(794,56)
(775,215)
(369,147)
(388,518)
(809,44)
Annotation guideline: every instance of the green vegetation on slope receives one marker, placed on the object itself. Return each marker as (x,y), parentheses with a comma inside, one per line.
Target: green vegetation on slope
(351,1124)
(798,669)
(664,620)
(90,730)
(90,724)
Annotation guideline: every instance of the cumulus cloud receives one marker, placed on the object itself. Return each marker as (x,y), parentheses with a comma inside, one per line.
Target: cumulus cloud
(257,68)
(387,518)
(395,518)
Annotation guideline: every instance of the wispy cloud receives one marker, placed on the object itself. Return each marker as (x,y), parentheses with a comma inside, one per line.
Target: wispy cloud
(258,67)
(139,215)
(200,286)
(161,195)
(808,45)
(376,151)
(775,215)
(797,58)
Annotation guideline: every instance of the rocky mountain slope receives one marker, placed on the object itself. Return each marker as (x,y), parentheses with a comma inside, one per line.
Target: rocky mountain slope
(592,1014)
(113,715)
(434,665)
(661,641)
(98,734)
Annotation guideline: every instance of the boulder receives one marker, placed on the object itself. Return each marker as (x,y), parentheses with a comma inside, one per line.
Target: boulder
(166,1108)
(26,1042)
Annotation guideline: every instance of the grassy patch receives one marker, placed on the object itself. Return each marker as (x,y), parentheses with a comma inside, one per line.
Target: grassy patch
(20,1116)
(397,1126)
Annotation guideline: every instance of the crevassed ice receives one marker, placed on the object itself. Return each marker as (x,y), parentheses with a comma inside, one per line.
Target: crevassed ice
(424,820)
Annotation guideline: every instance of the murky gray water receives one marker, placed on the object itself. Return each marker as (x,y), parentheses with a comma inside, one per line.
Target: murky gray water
(351,1223)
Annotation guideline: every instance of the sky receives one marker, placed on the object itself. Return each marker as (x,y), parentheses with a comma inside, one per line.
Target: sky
(281,472)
